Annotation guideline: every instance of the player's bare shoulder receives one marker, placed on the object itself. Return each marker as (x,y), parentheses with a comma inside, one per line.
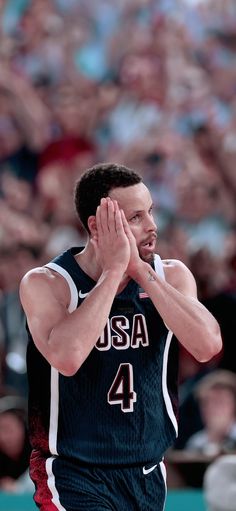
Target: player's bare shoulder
(173,269)
(42,281)
(179,276)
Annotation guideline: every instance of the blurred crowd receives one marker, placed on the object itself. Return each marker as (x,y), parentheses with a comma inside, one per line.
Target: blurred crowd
(146,83)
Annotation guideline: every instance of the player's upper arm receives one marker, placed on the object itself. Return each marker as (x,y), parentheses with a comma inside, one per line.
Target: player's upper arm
(44,296)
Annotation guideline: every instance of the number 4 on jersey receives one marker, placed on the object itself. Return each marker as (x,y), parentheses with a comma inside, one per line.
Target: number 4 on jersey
(122,389)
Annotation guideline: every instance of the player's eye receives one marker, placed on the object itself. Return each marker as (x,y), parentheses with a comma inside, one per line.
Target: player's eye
(134,218)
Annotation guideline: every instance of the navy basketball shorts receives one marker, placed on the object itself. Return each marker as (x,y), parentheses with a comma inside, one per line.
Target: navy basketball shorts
(79,488)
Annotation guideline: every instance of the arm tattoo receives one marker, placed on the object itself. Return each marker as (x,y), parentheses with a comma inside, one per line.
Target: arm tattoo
(151,277)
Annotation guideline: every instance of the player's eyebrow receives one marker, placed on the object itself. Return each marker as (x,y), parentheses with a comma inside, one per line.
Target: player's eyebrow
(136,211)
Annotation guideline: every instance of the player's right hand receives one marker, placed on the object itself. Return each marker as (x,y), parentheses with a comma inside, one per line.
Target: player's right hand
(110,242)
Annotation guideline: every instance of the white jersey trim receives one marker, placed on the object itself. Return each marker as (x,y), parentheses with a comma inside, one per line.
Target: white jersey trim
(52,486)
(54,404)
(54,401)
(163,472)
(166,395)
(70,282)
(158,265)
(160,271)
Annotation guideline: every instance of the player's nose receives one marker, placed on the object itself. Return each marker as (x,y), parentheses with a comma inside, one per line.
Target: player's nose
(150,224)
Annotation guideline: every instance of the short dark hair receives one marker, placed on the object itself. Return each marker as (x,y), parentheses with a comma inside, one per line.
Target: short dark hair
(97,182)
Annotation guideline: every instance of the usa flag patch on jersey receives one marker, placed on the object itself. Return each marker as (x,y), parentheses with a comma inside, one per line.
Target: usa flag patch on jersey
(142,293)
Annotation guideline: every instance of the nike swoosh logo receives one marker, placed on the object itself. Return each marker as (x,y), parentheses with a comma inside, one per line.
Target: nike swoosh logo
(148,470)
(82,295)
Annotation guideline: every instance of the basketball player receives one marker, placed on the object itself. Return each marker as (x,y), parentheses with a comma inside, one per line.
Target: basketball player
(102,364)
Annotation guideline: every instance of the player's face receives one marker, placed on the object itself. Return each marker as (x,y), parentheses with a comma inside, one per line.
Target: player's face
(137,204)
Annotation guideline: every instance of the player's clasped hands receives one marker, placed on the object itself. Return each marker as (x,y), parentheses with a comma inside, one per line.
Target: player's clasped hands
(111,242)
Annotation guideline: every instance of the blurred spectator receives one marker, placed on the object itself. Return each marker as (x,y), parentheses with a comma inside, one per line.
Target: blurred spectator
(13,339)
(24,125)
(216,395)
(14,444)
(220,484)
(223,306)
(191,373)
(214,420)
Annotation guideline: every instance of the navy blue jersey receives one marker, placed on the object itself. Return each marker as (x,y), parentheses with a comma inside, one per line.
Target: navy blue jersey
(120,407)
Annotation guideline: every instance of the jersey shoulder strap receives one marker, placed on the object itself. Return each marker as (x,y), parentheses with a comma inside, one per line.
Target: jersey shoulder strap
(66,275)
(158,266)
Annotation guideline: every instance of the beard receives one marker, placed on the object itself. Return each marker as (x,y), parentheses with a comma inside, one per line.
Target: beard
(149,258)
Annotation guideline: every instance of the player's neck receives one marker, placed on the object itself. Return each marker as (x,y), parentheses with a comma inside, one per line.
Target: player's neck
(88,262)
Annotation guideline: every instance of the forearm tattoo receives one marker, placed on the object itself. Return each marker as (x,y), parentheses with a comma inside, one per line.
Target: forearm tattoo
(151,276)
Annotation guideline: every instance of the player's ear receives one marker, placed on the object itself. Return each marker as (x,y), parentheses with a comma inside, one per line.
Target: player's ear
(92,225)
